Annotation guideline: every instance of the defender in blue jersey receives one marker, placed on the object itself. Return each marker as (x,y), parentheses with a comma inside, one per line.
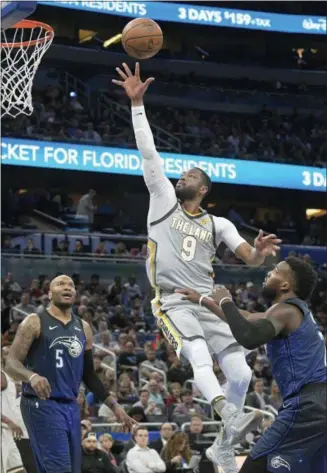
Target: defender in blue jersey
(52,355)
(296,442)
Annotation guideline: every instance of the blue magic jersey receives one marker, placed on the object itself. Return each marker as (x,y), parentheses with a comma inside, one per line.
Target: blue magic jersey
(58,355)
(300,358)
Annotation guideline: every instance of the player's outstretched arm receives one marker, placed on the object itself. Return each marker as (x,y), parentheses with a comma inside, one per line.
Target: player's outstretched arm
(28,331)
(250,330)
(94,384)
(252,255)
(161,190)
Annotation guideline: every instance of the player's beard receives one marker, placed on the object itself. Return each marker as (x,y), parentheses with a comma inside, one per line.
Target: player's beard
(269,294)
(63,306)
(185,193)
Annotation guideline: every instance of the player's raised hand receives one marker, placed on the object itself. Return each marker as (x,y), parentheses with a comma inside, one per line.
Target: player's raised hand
(266,245)
(123,418)
(41,387)
(189,295)
(132,83)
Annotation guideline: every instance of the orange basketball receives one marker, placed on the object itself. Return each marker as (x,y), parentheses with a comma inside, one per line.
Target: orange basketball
(142,38)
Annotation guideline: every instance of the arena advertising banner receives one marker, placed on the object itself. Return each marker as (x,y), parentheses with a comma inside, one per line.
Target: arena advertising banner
(75,157)
(200,15)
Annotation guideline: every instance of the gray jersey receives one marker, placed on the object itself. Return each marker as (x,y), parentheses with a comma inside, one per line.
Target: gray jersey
(181,246)
(181,250)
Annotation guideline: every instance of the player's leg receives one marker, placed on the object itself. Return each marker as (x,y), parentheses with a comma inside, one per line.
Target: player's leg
(46,426)
(11,460)
(233,364)
(75,437)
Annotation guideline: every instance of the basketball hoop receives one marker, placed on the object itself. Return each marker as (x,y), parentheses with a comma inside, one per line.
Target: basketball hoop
(22,48)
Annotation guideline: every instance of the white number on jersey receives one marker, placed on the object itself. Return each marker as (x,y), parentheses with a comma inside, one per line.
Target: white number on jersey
(188,248)
(59,359)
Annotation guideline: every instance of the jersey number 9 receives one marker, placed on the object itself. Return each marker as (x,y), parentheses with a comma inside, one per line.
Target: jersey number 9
(188,248)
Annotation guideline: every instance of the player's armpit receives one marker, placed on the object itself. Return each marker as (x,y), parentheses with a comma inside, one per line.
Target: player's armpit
(27,332)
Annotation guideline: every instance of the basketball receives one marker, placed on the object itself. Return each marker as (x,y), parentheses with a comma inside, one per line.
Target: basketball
(142,38)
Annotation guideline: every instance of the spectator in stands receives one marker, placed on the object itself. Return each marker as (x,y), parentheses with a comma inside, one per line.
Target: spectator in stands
(151,361)
(144,402)
(62,248)
(118,321)
(90,135)
(177,452)
(44,302)
(23,309)
(35,291)
(31,248)
(155,395)
(159,378)
(275,398)
(141,458)
(131,442)
(101,250)
(187,407)
(128,358)
(7,246)
(102,372)
(120,250)
(86,208)
(137,313)
(86,426)
(93,459)
(126,389)
(106,442)
(175,394)
(133,290)
(178,372)
(257,399)
(196,433)
(114,291)
(166,432)
(81,401)
(79,248)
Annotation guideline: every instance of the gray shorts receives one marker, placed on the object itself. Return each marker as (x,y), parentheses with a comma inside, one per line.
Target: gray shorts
(181,320)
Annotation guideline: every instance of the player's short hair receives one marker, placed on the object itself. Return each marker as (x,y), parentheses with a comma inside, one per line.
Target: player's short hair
(205,180)
(305,277)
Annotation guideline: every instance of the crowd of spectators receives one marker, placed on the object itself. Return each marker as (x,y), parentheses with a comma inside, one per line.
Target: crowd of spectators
(136,363)
(265,136)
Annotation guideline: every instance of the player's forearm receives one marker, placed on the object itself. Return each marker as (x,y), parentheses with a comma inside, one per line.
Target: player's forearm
(16,369)
(143,134)
(6,420)
(215,309)
(254,258)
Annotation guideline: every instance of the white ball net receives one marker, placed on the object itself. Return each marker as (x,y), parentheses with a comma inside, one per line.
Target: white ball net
(22,48)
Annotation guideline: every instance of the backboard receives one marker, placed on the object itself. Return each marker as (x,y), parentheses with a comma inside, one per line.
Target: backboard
(14,11)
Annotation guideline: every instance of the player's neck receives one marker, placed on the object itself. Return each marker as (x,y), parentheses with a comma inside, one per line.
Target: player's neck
(284,297)
(58,313)
(192,207)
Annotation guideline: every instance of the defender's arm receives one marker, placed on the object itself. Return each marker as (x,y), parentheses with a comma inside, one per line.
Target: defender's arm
(28,331)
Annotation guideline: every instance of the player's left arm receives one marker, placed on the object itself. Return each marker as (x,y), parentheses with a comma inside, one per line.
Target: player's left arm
(93,383)
(251,255)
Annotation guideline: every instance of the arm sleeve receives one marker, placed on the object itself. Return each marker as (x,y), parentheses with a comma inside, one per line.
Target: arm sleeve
(91,380)
(156,463)
(250,335)
(162,192)
(134,464)
(227,232)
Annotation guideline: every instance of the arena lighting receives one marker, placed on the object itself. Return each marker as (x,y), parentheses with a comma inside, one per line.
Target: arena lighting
(113,40)
(86,35)
(315,213)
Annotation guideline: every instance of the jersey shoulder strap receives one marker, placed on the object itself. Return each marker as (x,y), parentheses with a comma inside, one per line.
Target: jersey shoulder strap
(171,211)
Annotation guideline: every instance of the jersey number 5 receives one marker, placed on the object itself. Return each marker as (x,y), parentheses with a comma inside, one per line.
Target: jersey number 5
(188,248)
(59,359)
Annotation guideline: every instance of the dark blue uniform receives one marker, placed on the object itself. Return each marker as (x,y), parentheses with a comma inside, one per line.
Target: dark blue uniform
(54,425)
(296,441)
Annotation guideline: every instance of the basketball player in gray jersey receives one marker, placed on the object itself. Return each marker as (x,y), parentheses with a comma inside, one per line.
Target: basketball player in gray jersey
(182,242)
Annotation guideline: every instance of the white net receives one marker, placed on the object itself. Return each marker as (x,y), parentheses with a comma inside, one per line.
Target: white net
(22,48)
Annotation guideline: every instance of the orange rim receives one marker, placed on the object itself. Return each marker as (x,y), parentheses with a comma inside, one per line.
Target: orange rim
(29,25)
